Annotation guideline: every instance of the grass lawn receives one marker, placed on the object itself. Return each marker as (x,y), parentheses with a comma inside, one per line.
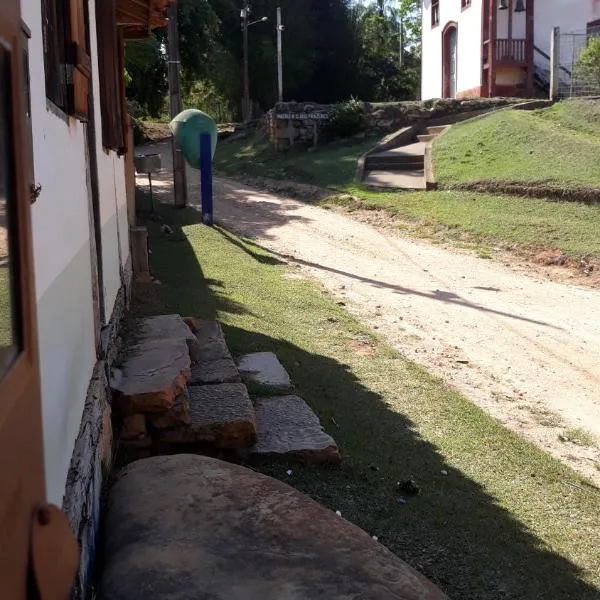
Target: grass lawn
(559,145)
(332,165)
(506,522)
(485,219)
(490,219)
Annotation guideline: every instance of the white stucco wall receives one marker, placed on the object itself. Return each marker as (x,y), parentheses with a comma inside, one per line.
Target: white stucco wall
(113,199)
(61,245)
(569,15)
(469,47)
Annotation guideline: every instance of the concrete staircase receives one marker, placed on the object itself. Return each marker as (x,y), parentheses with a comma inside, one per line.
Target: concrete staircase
(402,167)
(179,390)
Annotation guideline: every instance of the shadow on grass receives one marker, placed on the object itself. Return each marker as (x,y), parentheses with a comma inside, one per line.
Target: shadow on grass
(454,531)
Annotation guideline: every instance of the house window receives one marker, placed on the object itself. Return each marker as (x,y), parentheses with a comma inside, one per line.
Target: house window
(66,59)
(465,3)
(435,13)
(593,28)
(111,70)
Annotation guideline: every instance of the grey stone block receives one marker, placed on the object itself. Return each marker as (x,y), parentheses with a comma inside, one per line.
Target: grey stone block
(167,327)
(288,427)
(222,370)
(153,374)
(222,415)
(264,369)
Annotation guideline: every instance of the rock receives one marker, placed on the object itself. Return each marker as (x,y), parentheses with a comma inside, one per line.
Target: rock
(136,449)
(288,427)
(167,327)
(188,527)
(134,428)
(212,344)
(265,369)
(152,376)
(215,371)
(177,416)
(222,415)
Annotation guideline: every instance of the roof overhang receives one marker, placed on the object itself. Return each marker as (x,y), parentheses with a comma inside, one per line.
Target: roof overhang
(137,18)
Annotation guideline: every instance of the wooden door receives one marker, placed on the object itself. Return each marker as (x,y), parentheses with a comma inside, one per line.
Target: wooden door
(21,449)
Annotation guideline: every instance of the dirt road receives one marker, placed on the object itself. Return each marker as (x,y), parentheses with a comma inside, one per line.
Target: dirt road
(524,349)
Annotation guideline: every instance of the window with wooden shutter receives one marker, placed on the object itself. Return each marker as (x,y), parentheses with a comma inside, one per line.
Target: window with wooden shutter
(66,57)
(110,69)
(80,66)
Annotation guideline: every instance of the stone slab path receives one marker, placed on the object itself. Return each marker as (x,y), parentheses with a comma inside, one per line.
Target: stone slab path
(189,527)
(413,180)
(264,369)
(287,427)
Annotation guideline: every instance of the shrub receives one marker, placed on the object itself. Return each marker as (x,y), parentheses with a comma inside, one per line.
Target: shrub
(346,118)
(588,65)
(204,96)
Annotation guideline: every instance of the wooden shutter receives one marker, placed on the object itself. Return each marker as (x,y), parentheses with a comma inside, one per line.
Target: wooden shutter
(54,52)
(80,67)
(108,63)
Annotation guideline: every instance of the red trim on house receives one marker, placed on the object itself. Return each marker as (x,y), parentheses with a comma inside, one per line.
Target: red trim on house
(446,57)
(529,46)
(490,48)
(476,92)
(510,91)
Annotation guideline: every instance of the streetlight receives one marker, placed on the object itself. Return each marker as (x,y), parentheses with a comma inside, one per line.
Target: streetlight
(246,107)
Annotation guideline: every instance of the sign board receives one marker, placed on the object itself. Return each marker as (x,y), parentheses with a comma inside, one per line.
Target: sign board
(304,116)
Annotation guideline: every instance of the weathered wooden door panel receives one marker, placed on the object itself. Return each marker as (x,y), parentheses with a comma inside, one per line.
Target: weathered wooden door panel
(21,448)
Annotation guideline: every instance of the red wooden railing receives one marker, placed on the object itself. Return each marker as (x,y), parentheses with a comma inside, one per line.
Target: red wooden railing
(511,51)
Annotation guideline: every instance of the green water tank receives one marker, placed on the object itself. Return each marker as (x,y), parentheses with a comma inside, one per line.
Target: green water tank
(187,127)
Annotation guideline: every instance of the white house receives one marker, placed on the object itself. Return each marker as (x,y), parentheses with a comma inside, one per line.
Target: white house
(475,48)
(65,266)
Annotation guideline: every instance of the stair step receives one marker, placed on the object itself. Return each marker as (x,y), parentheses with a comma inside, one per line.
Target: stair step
(401,159)
(436,129)
(177,416)
(211,340)
(151,377)
(264,369)
(221,370)
(287,427)
(220,415)
(166,327)
(428,137)
(394,167)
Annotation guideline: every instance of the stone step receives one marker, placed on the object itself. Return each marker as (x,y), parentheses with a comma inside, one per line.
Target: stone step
(189,527)
(427,137)
(211,340)
(166,327)
(220,415)
(436,129)
(287,427)
(265,370)
(151,376)
(396,159)
(210,372)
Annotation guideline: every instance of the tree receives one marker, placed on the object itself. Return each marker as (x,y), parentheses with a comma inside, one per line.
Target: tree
(587,67)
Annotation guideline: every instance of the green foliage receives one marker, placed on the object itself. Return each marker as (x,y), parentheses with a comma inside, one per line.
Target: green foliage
(346,119)
(204,96)
(146,66)
(332,50)
(588,65)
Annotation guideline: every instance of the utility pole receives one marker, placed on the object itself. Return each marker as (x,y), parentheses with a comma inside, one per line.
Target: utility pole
(246,99)
(280,53)
(401,50)
(179,178)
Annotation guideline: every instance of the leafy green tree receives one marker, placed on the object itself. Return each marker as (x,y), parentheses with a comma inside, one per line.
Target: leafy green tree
(588,65)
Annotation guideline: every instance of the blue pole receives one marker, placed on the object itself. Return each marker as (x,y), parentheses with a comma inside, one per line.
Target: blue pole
(206,177)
